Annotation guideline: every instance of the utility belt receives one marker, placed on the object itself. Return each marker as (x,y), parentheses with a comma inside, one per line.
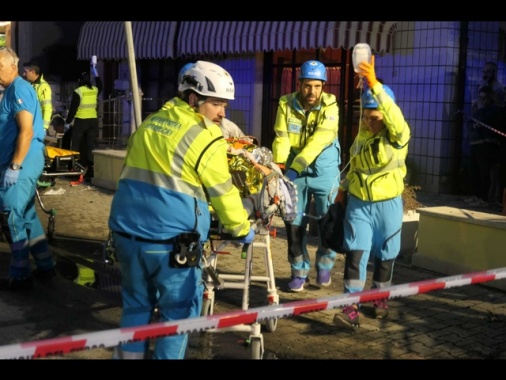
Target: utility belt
(143,240)
(186,251)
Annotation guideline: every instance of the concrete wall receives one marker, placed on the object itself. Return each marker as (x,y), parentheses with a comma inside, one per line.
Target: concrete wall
(453,241)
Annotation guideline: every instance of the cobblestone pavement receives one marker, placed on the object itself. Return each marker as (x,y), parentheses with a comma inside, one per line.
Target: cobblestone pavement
(467,322)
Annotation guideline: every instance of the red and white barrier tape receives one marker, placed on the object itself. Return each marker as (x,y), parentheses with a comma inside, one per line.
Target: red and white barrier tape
(482,124)
(111,338)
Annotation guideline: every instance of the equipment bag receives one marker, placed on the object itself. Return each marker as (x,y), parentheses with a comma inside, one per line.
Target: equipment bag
(332,227)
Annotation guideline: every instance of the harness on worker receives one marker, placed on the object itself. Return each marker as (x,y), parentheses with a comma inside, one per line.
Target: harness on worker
(263,187)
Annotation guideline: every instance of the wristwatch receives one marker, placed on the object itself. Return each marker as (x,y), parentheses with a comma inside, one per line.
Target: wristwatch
(15,166)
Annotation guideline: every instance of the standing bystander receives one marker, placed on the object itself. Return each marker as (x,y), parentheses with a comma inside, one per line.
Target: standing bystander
(489,78)
(83,107)
(21,164)
(32,72)
(484,154)
(176,166)
(372,191)
(307,145)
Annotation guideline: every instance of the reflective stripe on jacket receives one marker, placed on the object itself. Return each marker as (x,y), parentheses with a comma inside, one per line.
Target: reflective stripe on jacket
(88,106)
(377,163)
(176,164)
(304,134)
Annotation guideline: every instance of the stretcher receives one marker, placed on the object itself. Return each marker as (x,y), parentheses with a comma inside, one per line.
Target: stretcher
(58,162)
(260,188)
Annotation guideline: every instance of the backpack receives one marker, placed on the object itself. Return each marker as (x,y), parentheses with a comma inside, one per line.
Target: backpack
(332,227)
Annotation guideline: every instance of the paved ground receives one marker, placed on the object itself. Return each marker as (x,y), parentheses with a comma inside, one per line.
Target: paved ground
(466,322)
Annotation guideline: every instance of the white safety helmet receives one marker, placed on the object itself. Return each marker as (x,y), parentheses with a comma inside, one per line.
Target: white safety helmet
(183,71)
(208,79)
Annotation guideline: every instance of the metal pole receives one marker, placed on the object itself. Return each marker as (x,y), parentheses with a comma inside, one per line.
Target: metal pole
(133,74)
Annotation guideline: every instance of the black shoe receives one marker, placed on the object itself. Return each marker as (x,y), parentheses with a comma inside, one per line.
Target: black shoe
(44,274)
(8,283)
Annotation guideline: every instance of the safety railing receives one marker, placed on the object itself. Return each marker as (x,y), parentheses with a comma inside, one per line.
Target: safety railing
(117,122)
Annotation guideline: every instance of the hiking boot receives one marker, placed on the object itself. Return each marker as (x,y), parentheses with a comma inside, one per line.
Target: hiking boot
(8,283)
(297,284)
(349,317)
(380,309)
(44,274)
(323,277)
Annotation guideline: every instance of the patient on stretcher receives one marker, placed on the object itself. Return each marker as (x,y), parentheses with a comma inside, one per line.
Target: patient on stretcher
(57,135)
(263,187)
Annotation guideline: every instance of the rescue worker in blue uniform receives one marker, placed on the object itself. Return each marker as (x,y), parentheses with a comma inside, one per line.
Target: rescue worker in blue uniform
(372,191)
(307,144)
(21,164)
(175,168)
(228,127)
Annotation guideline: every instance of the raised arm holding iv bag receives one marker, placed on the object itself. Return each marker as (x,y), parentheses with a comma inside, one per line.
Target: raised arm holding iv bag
(361,52)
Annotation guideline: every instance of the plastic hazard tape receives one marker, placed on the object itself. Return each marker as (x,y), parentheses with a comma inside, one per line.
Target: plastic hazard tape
(482,124)
(111,338)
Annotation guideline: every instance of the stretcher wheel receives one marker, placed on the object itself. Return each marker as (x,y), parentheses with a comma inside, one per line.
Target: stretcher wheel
(256,348)
(207,307)
(51,228)
(271,324)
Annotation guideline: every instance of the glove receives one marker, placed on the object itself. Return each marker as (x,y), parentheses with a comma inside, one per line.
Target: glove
(66,127)
(291,174)
(248,239)
(367,71)
(10,177)
(94,71)
(341,197)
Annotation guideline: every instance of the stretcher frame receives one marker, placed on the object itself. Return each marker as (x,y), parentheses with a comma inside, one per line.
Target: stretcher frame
(214,281)
(64,164)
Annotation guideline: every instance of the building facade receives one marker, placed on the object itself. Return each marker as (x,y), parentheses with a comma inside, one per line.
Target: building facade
(433,67)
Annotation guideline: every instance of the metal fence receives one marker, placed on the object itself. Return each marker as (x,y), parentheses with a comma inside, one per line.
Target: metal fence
(117,122)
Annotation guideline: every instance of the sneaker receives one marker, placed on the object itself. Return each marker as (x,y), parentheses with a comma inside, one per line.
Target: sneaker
(349,317)
(297,284)
(323,277)
(8,283)
(44,274)
(380,309)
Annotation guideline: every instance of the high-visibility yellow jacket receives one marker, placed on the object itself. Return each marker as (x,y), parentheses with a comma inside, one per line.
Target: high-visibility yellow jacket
(88,106)
(378,162)
(305,135)
(43,90)
(176,164)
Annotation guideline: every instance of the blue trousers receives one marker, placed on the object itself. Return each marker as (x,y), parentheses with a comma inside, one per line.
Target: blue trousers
(323,189)
(147,282)
(371,229)
(25,228)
